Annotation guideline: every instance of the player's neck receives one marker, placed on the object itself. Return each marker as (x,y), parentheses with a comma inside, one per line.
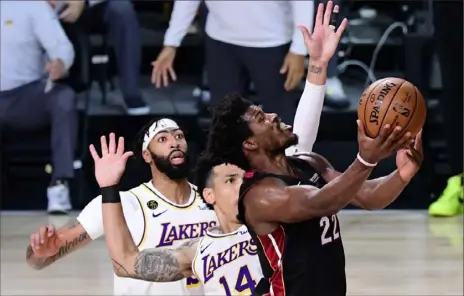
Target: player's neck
(227,226)
(226,223)
(275,164)
(177,191)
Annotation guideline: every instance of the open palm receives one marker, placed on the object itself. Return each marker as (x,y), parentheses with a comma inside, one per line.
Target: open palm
(111,165)
(323,42)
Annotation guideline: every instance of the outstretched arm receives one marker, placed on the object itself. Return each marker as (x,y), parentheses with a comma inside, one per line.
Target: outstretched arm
(308,113)
(321,46)
(155,265)
(270,201)
(72,236)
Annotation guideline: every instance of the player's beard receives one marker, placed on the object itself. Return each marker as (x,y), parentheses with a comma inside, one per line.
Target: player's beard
(289,142)
(173,172)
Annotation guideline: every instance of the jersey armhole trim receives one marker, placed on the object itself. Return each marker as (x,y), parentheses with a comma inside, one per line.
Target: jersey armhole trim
(145,222)
(197,252)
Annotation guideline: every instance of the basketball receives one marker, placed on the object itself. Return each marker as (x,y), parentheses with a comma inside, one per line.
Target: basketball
(393,101)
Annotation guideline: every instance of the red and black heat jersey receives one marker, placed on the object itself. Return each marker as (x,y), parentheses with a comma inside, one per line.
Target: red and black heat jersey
(305,258)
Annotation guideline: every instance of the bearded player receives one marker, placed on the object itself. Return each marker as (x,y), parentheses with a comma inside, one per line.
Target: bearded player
(224,259)
(289,204)
(163,213)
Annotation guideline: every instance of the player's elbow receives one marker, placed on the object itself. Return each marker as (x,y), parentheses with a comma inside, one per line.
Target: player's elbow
(124,263)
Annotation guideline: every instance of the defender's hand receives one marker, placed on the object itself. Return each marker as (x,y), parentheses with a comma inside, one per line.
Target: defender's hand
(45,242)
(409,160)
(111,165)
(323,42)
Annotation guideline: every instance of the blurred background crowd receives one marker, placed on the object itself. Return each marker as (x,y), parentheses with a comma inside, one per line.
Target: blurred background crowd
(73,70)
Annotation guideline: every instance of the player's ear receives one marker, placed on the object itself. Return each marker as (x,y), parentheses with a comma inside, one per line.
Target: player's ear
(250,144)
(209,197)
(147,156)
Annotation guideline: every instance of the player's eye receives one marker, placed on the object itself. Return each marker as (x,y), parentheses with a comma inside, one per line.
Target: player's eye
(179,136)
(229,180)
(162,139)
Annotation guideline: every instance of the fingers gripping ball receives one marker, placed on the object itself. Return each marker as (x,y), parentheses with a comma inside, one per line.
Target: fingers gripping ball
(393,101)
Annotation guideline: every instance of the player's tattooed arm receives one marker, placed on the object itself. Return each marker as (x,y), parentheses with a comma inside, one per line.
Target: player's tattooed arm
(71,236)
(156,265)
(374,194)
(159,265)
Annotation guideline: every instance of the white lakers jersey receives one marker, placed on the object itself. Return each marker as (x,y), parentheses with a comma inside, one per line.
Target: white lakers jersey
(227,264)
(155,222)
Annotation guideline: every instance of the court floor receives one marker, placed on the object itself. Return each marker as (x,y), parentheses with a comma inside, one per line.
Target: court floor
(387,253)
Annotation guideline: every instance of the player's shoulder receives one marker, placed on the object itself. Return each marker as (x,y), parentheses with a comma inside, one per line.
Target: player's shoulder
(313,159)
(127,199)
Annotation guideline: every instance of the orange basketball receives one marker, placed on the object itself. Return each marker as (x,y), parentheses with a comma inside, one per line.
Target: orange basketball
(393,101)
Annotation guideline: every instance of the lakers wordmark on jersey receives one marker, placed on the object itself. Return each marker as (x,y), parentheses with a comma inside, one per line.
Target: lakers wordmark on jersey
(164,224)
(227,264)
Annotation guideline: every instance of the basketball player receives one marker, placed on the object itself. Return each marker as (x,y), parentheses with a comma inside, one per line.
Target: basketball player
(163,213)
(221,182)
(289,204)
(224,259)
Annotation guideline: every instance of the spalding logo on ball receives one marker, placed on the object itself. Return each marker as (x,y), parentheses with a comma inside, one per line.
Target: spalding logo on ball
(393,101)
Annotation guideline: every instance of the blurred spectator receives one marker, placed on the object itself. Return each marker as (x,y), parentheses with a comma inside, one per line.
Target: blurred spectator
(257,40)
(335,96)
(449,46)
(35,52)
(119,20)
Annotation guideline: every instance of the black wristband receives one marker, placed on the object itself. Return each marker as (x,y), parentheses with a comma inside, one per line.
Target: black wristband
(110,194)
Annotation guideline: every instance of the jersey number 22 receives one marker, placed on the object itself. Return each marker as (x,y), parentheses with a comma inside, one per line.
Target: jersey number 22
(244,282)
(326,236)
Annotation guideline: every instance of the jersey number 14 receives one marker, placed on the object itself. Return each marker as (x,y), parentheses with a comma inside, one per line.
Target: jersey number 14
(245,282)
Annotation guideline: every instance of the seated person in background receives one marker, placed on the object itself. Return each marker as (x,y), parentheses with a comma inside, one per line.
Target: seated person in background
(118,18)
(35,52)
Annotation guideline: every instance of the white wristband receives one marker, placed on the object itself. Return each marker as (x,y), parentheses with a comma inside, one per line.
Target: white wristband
(368,164)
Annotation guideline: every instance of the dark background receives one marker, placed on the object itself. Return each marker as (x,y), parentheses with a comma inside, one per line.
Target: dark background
(24,157)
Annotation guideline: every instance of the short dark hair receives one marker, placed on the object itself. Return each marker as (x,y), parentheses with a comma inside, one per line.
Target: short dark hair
(204,172)
(228,131)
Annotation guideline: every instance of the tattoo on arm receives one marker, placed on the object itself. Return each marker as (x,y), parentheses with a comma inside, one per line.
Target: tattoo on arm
(66,247)
(156,265)
(315,70)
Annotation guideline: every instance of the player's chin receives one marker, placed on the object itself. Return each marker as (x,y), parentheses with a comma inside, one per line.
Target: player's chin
(291,140)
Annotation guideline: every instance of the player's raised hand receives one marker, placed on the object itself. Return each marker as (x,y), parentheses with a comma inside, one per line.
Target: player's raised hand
(112,163)
(385,144)
(45,242)
(409,159)
(323,41)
